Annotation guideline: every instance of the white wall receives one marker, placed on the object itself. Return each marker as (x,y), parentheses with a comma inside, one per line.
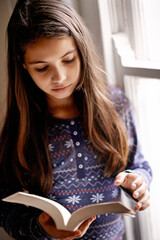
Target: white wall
(5,11)
(4,16)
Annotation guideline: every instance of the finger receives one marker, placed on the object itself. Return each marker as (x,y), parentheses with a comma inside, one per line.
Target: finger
(67,235)
(82,229)
(140,190)
(137,182)
(126,180)
(144,206)
(138,206)
(45,216)
(120,178)
(49,226)
(141,206)
(85,225)
(75,236)
(143,202)
(144,198)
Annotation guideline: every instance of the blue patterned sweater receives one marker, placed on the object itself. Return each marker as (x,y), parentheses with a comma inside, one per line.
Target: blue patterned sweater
(78,178)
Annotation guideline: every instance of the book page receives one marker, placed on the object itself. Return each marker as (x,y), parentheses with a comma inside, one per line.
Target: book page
(61,216)
(84,213)
(58,213)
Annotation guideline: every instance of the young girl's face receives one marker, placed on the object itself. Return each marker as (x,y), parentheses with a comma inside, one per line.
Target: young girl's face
(54,65)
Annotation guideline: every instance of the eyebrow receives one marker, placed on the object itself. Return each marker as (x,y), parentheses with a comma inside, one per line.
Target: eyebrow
(69,52)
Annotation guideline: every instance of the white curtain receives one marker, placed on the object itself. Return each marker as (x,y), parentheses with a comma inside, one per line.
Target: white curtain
(145,95)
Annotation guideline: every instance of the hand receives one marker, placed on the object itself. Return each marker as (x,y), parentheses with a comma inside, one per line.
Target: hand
(137,187)
(49,226)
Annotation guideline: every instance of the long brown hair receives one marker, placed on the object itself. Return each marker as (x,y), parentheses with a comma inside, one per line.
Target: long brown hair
(24,155)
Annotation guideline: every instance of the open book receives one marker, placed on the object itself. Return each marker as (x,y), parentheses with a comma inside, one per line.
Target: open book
(63,219)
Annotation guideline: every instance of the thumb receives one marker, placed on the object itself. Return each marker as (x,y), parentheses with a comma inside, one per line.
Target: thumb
(45,216)
(120,178)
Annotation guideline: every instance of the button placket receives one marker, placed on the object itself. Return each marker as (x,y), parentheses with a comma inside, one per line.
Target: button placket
(76,137)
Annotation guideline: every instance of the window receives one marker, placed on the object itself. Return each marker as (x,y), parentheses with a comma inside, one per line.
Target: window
(130,40)
(135,32)
(144,93)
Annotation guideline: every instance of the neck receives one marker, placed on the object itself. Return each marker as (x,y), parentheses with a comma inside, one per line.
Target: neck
(63,109)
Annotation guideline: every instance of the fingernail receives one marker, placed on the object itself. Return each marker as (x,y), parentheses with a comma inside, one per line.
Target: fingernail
(139,204)
(117,181)
(136,194)
(134,185)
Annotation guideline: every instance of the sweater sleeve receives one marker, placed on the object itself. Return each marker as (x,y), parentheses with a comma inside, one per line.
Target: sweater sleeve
(19,221)
(136,160)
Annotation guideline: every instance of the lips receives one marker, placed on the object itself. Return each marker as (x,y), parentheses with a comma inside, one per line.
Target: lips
(59,89)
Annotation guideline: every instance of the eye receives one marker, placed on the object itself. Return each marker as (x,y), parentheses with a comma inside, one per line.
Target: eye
(42,69)
(69,60)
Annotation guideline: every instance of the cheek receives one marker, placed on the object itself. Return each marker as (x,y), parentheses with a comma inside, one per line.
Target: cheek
(77,72)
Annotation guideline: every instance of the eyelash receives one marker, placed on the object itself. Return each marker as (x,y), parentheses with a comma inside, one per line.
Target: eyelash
(41,69)
(70,60)
(66,62)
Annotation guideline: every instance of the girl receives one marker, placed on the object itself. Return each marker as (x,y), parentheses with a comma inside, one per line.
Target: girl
(64,136)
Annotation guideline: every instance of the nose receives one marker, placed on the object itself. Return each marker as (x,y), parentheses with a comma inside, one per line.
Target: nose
(58,75)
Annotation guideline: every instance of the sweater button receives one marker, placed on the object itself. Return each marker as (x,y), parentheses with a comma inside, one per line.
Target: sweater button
(77,144)
(80,166)
(79,154)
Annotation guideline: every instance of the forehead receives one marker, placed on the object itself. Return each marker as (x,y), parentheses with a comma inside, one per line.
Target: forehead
(46,47)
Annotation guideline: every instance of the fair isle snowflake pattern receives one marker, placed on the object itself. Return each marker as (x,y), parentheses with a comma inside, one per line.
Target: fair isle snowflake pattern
(53,197)
(115,193)
(51,147)
(69,144)
(97,198)
(74,199)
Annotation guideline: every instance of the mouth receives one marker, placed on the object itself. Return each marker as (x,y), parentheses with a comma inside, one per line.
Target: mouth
(60,89)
